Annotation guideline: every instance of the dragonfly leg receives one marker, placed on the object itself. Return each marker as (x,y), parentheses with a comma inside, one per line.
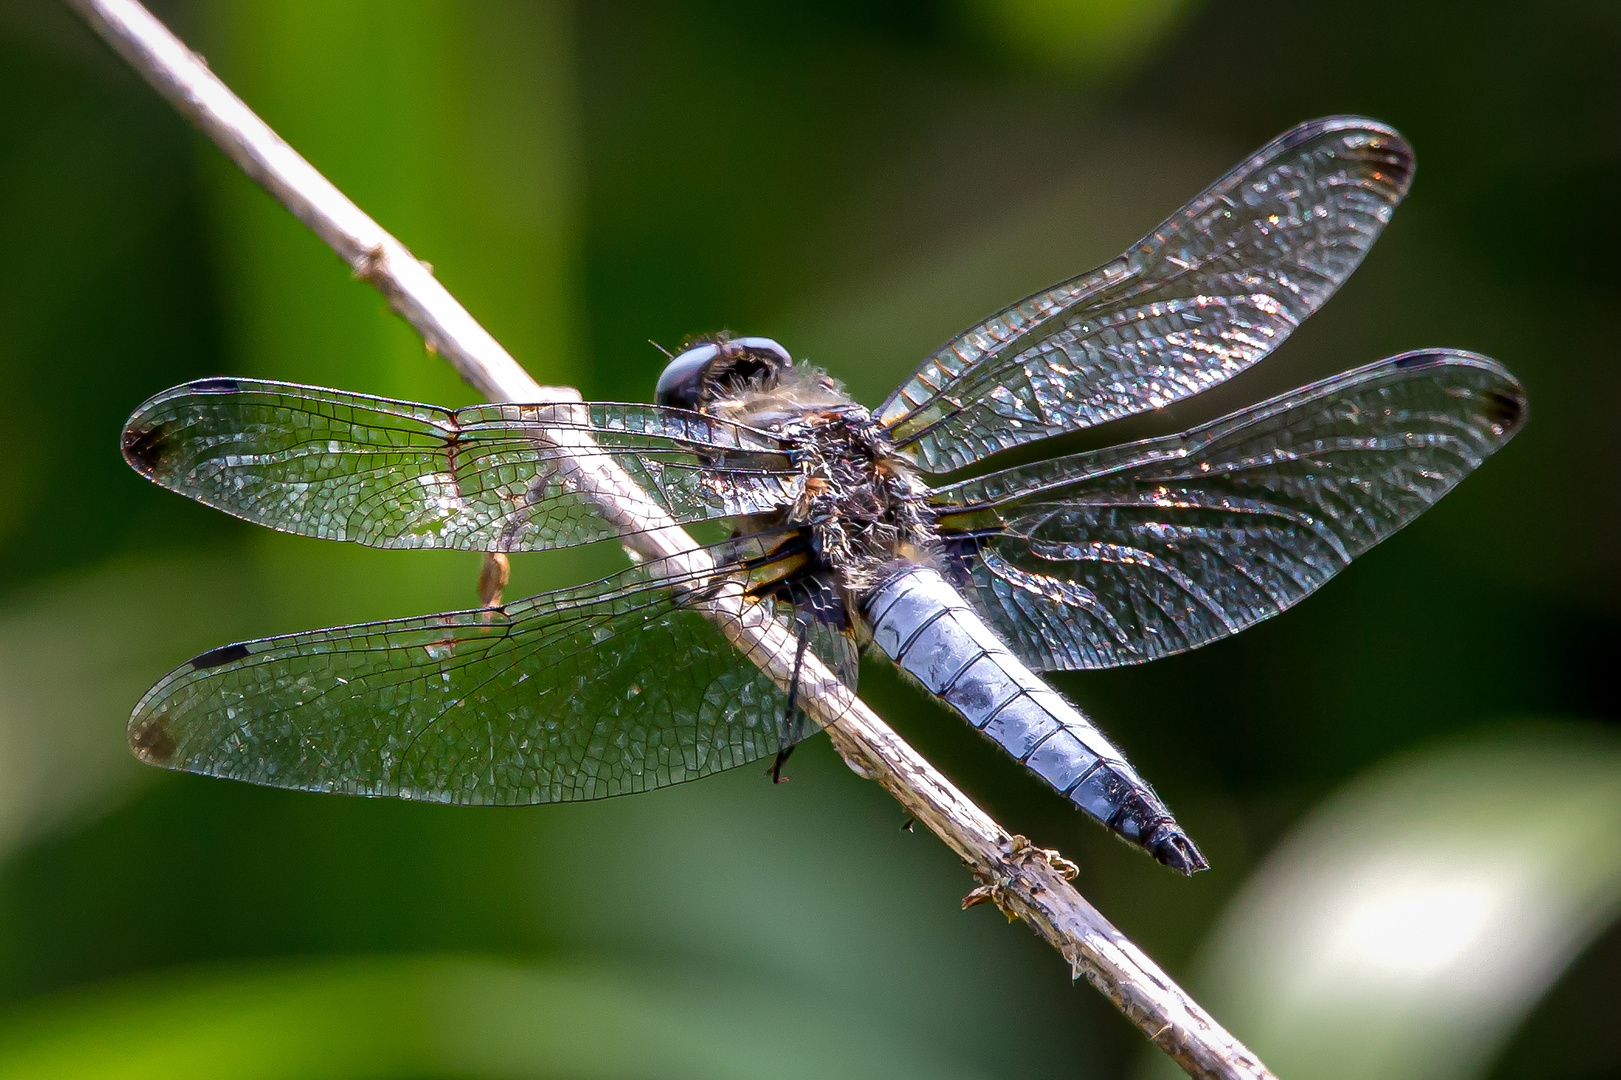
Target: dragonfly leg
(493,576)
(787,742)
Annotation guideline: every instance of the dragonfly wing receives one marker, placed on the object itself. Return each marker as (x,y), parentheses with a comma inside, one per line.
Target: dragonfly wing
(617,687)
(394,474)
(1152,548)
(837,648)
(1208,293)
(816,605)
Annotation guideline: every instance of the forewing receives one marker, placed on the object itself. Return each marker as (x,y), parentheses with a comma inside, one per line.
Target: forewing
(613,688)
(1208,293)
(395,474)
(1153,548)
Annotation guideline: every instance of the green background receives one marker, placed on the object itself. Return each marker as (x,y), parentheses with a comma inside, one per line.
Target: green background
(1410,786)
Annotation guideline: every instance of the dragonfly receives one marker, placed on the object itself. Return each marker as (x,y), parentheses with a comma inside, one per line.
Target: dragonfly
(892,531)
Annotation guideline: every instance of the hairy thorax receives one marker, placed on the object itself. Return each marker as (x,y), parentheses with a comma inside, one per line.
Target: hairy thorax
(860,503)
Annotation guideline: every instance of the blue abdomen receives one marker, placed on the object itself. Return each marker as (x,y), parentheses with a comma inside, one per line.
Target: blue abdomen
(926,627)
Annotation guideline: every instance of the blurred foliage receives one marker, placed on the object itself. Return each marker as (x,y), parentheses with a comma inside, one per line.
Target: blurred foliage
(858,180)
(430,1016)
(1088,39)
(1362,948)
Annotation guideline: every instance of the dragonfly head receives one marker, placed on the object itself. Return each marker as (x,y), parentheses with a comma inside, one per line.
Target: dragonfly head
(718,368)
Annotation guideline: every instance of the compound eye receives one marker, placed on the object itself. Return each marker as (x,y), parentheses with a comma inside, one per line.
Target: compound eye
(681,383)
(766,346)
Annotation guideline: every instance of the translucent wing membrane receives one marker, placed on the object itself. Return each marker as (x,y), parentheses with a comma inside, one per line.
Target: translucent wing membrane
(1152,548)
(578,694)
(1206,294)
(394,474)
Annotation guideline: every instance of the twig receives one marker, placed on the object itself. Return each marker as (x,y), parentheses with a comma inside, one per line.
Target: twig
(1021,878)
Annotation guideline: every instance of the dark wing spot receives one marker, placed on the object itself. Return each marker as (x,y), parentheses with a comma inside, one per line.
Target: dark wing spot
(1397,162)
(215,657)
(959,552)
(153,742)
(1408,361)
(814,595)
(1504,410)
(214,386)
(144,448)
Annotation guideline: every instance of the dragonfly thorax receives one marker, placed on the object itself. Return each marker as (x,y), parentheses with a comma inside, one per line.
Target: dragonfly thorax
(861,503)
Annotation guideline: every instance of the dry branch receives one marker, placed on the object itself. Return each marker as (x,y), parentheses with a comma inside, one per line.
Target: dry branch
(1019,877)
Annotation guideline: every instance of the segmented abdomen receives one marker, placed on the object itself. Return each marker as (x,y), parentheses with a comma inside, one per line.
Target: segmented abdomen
(926,627)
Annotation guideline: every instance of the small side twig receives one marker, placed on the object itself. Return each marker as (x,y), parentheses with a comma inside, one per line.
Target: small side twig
(1025,881)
